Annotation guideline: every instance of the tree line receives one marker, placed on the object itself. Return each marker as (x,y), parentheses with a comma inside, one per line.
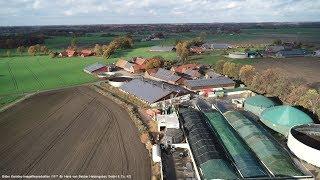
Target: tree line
(273,82)
(122,42)
(183,47)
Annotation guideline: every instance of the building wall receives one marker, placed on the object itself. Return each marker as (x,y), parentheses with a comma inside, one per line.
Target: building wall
(205,88)
(238,56)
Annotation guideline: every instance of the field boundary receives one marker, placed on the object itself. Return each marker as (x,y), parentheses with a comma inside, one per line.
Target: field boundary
(16,102)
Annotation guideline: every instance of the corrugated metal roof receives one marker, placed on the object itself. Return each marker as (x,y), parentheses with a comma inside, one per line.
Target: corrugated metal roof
(144,90)
(192,73)
(209,82)
(128,65)
(94,67)
(166,75)
(216,45)
(294,52)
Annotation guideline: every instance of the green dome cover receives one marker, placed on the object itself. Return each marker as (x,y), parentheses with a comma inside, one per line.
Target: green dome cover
(257,104)
(282,118)
(260,101)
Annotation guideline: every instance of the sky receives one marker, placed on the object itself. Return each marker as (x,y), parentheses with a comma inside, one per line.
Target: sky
(74,12)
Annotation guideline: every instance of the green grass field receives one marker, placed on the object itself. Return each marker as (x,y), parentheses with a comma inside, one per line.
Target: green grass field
(23,74)
(28,74)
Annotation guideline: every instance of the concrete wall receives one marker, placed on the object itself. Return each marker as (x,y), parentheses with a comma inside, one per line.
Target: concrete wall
(303,151)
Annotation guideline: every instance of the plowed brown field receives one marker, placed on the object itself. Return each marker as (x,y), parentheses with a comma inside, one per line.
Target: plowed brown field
(74,131)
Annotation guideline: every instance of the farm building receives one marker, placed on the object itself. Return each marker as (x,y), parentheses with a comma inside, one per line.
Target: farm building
(121,63)
(197,50)
(167,76)
(155,93)
(292,53)
(282,118)
(151,72)
(162,48)
(210,84)
(238,55)
(86,53)
(168,121)
(257,104)
(216,46)
(63,54)
(274,49)
(243,158)
(128,66)
(254,54)
(140,61)
(207,150)
(192,74)
(132,68)
(304,142)
(184,67)
(212,74)
(97,68)
(274,157)
(71,53)
(190,71)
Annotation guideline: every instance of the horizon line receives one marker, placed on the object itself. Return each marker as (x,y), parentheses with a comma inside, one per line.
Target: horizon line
(249,22)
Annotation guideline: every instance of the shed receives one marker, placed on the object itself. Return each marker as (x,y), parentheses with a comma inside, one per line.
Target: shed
(292,53)
(95,68)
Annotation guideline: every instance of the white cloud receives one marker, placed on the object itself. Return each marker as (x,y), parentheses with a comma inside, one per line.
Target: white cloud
(149,11)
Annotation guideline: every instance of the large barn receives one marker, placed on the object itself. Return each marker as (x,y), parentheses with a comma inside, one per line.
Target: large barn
(210,84)
(153,92)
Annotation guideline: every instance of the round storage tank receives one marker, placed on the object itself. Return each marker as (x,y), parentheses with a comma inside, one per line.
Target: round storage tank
(257,104)
(304,142)
(238,55)
(119,81)
(282,118)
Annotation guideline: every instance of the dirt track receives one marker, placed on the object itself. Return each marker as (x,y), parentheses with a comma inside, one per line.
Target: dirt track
(71,132)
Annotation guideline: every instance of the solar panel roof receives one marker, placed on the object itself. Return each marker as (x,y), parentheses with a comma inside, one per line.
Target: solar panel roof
(166,75)
(144,90)
(209,82)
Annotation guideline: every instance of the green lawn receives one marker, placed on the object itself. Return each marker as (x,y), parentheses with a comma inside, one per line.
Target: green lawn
(28,74)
